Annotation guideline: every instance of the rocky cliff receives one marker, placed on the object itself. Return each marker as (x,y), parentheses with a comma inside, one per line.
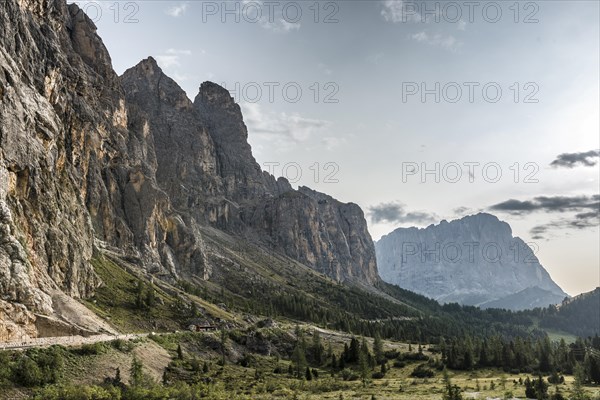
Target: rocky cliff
(90,160)
(474,260)
(206,166)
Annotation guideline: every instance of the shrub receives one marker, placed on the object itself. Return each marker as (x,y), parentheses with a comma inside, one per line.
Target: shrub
(556,379)
(27,373)
(123,346)
(391,354)
(91,349)
(348,375)
(413,357)
(422,371)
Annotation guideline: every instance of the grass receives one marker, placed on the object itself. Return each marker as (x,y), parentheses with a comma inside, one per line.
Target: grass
(115,301)
(258,379)
(556,335)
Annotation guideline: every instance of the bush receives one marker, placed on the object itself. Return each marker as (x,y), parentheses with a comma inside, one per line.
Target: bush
(38,367)
(78,393)
(422,371)
(91,349)
(391,354)
(556,379)
(413,357)
(27,373)
(348,375)
(123,346)
(247,360)
(399,364)
(378,375)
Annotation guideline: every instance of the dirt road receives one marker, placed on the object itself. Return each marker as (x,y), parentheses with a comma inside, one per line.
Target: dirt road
(67,341)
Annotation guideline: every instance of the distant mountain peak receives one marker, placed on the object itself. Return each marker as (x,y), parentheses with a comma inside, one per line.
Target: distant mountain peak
(472,260)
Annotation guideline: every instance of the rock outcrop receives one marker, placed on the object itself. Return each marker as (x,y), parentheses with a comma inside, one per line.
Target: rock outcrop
(206,166)
(89,159)
(474,261)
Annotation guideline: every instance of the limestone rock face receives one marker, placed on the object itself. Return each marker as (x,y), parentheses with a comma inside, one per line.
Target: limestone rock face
(89,159)
(474,261)
(206,166)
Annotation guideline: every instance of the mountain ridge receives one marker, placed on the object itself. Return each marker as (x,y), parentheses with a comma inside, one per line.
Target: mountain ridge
(90,161)
(472,260)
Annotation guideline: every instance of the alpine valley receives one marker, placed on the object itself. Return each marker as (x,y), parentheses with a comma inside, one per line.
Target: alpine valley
(144,254)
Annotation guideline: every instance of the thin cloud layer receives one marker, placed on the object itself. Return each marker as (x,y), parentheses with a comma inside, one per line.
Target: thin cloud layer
(285,129)
(587,209)
(393,11)
(571,160)
(549,204)
(177,10)
(579,222)
(448,42)
(395,212)
(171,58)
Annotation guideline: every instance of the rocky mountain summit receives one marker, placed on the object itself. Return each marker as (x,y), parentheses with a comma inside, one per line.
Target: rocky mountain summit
(474,260)
(91,161)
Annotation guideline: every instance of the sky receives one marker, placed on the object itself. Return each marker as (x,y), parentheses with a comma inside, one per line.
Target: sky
(416,111)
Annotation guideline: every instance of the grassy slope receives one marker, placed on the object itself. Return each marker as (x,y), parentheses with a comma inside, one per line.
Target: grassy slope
(242,382)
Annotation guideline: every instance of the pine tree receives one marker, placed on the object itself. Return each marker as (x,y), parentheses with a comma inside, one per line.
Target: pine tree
(363,362)
(117,380)
(317,348)
(540,388)
(139,295)
(150,300)
(578,393)
(544,348)
(224,336)
(308,374)
(179,352)
(593,368)
(299,359)
(194,310)
(378,349)
(451,392)
(354,351)
(136,372)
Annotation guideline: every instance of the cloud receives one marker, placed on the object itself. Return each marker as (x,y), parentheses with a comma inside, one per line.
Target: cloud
(586,209)
(578,222)
(331,143)
(462,211)
(286,130)
(447,42)
(279,26)
(397,11)
(325,69)
(395,212)
(177,10)
(171,58)
(550,204)
(271,19)
(401,11)
(571,160)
